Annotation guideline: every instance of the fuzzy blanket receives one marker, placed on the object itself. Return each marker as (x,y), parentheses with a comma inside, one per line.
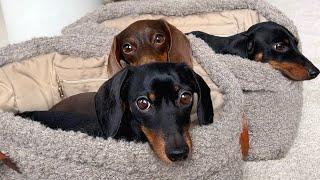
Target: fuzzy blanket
(249,87)
(273,121)
(43,153)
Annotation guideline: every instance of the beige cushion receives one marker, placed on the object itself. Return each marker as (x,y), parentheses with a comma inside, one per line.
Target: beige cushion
(40,82)
(33,84)
(223,23)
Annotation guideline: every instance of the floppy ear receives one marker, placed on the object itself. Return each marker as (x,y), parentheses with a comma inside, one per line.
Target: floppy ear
(205,108)
(250,47)
(248,43)
(114,65)
(180,50)
(110,103)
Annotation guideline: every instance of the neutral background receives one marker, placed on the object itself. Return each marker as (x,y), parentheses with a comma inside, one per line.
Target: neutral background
(25,19)
(3,32)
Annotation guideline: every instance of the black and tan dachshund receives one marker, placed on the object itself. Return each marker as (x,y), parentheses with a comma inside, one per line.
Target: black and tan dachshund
(150,103)
(266,42)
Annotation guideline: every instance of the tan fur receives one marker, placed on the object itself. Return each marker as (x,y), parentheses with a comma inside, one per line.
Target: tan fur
(244,138)
(187,138)
(258,57)
(157,143)
(152,96)
(292,70)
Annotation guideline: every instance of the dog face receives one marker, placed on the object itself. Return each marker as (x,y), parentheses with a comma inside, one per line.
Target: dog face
(153,102)
(148,41)
(272,43)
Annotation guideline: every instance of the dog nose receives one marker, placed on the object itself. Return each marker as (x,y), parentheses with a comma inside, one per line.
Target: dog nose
(313,73)
(178,154)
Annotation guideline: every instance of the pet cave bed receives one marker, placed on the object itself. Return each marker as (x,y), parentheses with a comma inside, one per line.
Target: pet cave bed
(30,72)
(273,104)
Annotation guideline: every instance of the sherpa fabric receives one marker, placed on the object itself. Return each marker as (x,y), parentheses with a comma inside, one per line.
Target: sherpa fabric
(273,104)
(43,153)
(68,154)
(110,1)
(93,20)
(224,23)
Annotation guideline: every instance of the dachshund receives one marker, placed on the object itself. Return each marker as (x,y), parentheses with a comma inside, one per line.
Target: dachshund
(148,41)
(142,42)
(149,103)
(266,42)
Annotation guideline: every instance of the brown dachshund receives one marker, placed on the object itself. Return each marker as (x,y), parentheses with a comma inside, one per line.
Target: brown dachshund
(148,41)
(142,42)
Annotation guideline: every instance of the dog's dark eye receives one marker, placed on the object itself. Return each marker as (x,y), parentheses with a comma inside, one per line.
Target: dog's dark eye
(280,47)
(143,103)
(127,48)
(159,39)
(185,98)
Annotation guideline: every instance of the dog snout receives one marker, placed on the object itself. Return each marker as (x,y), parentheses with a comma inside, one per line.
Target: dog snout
(313,73)
(177,148)
(178,153)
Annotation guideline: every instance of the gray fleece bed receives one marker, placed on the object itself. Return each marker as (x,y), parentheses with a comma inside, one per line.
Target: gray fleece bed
(273,104)
(261,93)
(43,153)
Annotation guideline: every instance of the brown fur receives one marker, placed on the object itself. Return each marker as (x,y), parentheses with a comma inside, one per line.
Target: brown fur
(258,57)
(187,138)
(292,70)
(176,47)
(157,143)
(80,103)
(152,96)
(244,138)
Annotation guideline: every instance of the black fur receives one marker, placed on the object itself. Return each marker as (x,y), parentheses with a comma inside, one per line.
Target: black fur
(261,38)
(117,114)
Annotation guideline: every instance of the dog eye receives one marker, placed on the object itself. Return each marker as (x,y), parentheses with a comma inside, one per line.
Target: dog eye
(280,47)
(159,39)
(127,48)
(186,98)
(143,103)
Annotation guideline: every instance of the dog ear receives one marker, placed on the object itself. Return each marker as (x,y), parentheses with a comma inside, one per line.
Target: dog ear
(114,58)
(180,49)
(249,43)
(250,46)
(110,103)
(205,108)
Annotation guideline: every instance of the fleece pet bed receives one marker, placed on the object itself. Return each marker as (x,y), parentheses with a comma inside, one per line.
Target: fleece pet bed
(273,104)
(42,156)
(32,76)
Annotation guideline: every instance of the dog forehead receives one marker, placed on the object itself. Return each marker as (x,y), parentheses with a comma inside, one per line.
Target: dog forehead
(272,33)
(152,77)
(147,24)
(143,26)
